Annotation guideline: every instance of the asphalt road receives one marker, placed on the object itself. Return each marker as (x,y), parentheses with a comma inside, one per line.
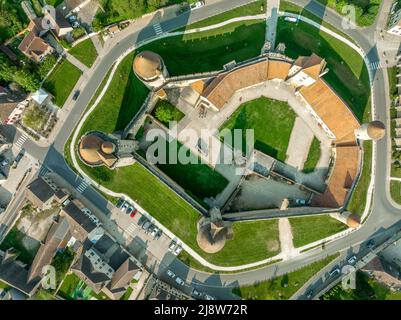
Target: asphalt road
(384,213)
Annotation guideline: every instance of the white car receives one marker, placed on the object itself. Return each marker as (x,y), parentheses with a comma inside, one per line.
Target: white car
(172,245)
(197,5)
(179,281)
(86,211)
(291,19)
(124,206)
(207,297)
(352,260)
(171,274)
(177,250)
(154,232)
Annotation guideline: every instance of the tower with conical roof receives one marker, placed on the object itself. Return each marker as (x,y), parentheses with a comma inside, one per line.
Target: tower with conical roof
(150,69)
(374,130)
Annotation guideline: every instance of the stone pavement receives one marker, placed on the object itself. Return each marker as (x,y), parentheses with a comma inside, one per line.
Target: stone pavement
(272,9)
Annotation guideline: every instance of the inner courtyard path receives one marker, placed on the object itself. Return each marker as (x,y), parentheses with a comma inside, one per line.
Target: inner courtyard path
(286,244)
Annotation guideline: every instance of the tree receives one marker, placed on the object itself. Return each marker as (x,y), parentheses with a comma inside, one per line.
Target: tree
(165,112)
(29,81)
(44,68)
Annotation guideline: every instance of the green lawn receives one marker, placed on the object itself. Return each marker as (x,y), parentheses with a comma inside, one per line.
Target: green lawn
(347,75)
(366,289)
(306,230)
(290,7)
(392,77)
(14,239)
(196,178)
(210,50)
(43,294)
(85,52)
(283,287)
(272,122)
(61,81)
(358,199)
(313,156)
(395,190)
(4,285)
(365,11)
(127,294)
(250,9)
(66,290)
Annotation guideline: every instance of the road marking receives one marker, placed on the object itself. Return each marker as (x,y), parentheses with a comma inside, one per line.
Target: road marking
(82,186)
(131,228)
(158,29)
(375,65)
(43,171)
(21,140)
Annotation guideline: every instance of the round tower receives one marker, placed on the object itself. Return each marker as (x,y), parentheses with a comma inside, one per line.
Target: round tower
(150,69)
(374,130)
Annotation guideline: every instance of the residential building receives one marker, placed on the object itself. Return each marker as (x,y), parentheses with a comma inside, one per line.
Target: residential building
(12,105)
(394,25)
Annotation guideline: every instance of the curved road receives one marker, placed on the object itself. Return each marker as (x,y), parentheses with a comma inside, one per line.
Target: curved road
(382,220)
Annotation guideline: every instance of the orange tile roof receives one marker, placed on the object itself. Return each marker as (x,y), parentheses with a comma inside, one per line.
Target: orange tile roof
(332,110)
(343,174)
(278,70)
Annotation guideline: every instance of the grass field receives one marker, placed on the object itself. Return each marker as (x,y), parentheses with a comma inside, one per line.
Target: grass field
(283,287)
(395,190)
(61,81)
(306,230)
(313,156)
(357,202)
(251,9)
(85,52)
(365,11)
(272,122)
(196,178)
(210,50)
(347,75)
(366,289)
(14,240)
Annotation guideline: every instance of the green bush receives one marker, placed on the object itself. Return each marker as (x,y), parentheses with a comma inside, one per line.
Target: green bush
(166,112)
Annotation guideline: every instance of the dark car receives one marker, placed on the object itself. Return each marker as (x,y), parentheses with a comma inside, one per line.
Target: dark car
(76,95)
(18,158)
(370,244)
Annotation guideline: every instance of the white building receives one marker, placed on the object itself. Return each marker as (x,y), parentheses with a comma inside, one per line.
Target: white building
(394,26)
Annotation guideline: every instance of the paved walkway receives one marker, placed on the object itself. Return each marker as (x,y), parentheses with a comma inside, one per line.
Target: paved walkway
(298,147)
(97,43)
(272,9)
(286,245)
(76,62)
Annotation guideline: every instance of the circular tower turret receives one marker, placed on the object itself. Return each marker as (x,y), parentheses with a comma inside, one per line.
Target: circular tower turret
(150,69)
(374,130)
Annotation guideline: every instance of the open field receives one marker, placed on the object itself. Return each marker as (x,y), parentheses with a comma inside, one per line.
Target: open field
(85,52)
(283,287)
(61,81)
(272,122)
(306,230)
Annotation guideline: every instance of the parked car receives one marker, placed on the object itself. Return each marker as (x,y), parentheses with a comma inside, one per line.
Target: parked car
(197,5)
(130,210)
(4,162)
(120,202)
(291,19)
(133,213)
(300,202)
(172,246)
(86,211)
(146,226)
(124,206)
(142,221)
(76,95)
(177,250)
(352,260)
(370,244)
(179,281)
(158,234)
(18,158)
(207,297)
(171,274)
(154,232)
(335,272)
(196,294)
(309,294)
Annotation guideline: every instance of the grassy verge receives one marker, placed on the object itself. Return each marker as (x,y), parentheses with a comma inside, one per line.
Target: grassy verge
(366,289)
(272,122)
(61,81)
(85,52)
(283,287)
(306,230)
(365,11)
(395,190)
(392,77)
(313,156)
(251,9)
(358,199)
(43,294)
(127,294)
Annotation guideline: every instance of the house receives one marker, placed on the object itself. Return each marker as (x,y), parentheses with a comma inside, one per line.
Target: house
(394,25)
(55,21)
(33,46)
(42,192)
(12,105)
(384,272)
